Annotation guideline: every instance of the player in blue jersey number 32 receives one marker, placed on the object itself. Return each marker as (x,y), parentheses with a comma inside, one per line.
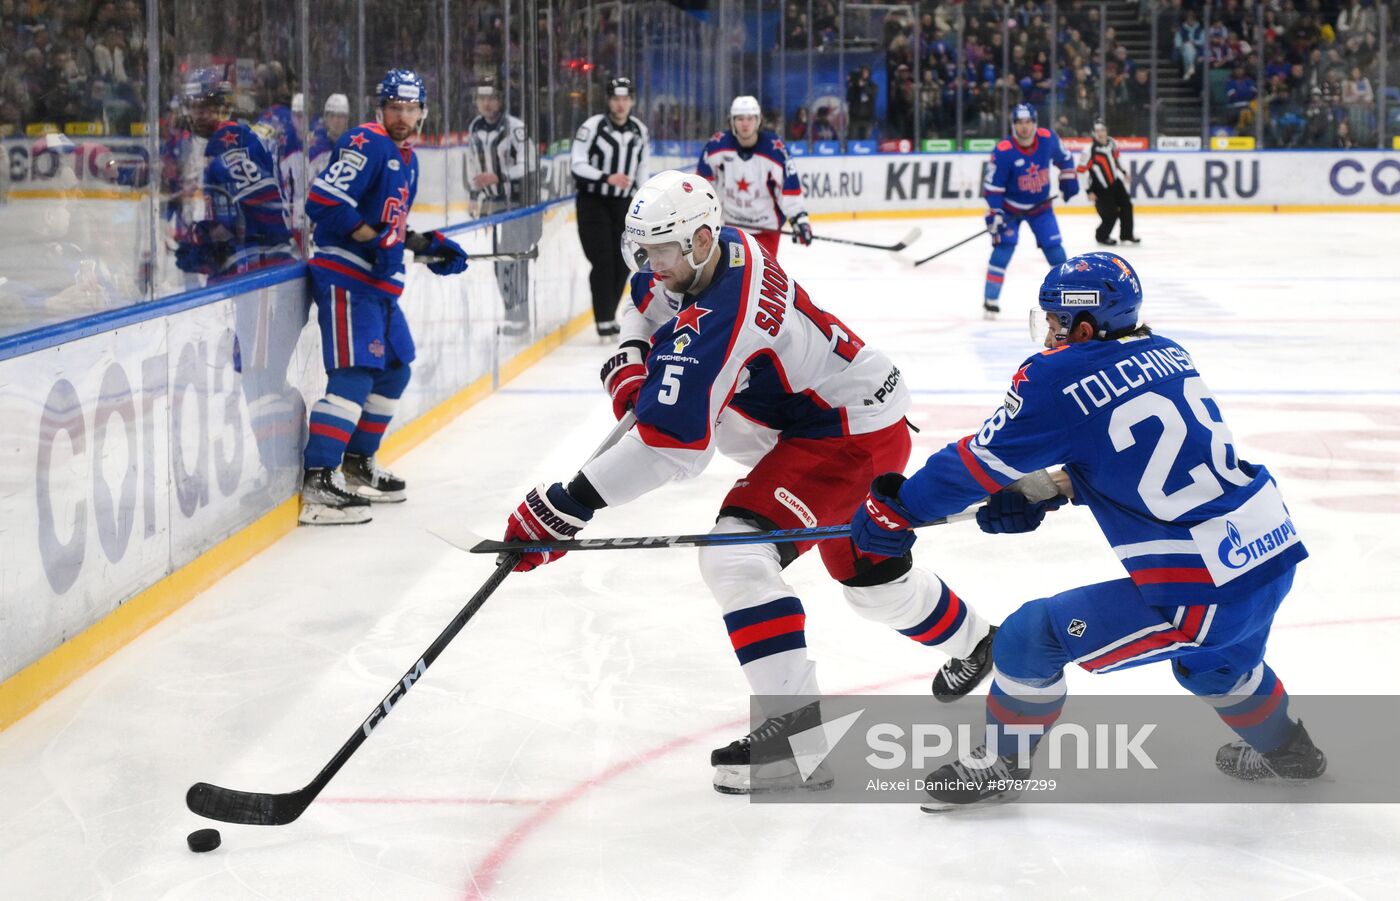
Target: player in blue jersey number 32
(1207,543)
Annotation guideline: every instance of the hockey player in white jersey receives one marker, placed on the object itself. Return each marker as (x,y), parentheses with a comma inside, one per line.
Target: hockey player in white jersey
(750,366)
(751,171)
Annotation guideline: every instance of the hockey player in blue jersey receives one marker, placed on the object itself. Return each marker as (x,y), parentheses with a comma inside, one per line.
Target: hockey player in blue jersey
(1017,188)
(243,226)
(1208,544)
(360,206)
(758,188)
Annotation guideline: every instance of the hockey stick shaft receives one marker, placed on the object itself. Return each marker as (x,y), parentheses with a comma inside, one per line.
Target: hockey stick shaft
(532,253)
(263,809)
(1038,486)
(905,242)
(951,247)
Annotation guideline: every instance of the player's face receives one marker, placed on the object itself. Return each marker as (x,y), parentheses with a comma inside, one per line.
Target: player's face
(1100,133)
(620,107)
(1047,331)
(745,127)
(401,118)
(336,123)
(1024,130)
(206,116)
(665,260)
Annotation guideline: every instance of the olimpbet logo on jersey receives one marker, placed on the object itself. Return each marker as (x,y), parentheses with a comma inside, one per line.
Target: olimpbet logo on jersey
(1247,537)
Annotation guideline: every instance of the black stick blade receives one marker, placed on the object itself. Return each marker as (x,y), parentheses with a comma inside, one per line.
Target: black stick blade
(228,805)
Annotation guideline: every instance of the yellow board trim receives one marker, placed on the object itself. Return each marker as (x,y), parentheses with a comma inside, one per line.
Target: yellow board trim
(27,689)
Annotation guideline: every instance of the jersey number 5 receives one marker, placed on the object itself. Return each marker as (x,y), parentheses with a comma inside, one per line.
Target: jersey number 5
(847,343)
(1204,486)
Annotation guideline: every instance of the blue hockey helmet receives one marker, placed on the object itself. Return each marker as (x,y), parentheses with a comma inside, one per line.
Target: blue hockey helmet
(207,84)
(403,84)
(1022,112)
(1100,288)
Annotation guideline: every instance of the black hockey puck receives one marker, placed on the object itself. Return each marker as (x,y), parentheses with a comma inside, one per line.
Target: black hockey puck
(202,840)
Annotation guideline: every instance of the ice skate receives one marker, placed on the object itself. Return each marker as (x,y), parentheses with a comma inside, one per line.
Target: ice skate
(975,782)
(364,477)
(608,329)
(762,761)
(326,502)
(1298,759)
(961,675)
(990,309)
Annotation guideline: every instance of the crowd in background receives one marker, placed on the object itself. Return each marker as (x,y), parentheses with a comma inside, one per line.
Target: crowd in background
(1321,68)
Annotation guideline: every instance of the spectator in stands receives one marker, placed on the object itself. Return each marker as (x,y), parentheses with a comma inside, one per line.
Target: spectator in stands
(1317,132)
(1240,92)
(860,100)
(902,102)
(110,56)
(1285,124)
(797,128)
(822,129)
(1356,20)
(1356,90)
(1139,90)
(930,103)
(1343,140)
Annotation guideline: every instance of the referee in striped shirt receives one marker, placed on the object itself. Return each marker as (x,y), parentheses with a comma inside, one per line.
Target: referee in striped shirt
(609,161)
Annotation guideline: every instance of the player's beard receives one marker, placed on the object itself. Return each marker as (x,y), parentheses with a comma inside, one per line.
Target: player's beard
(399,132)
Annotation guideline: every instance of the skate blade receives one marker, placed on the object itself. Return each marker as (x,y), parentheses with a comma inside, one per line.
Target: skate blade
(989,314)
(321,515)
(375,496)
(934,806)
(735,780)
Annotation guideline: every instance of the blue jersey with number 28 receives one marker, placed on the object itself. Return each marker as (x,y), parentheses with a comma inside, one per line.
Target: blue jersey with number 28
(1148,452)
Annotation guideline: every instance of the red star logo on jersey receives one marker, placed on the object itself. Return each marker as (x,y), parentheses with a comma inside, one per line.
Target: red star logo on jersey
(690,318)
(230,137)
(1020,377)
(743,185)
(359,139)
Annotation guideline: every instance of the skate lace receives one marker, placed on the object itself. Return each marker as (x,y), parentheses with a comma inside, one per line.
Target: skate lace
(969,772)
(1251,761)
(956,672)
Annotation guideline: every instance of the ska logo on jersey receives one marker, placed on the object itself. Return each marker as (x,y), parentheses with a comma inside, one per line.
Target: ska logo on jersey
(359,139)
(690,318)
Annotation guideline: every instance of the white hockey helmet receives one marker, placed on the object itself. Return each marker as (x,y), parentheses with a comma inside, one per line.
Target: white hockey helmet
(745,105)
(668,210)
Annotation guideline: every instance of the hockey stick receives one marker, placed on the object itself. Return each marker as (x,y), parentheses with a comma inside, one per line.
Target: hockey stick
(904,242)
(530,254)
(987,229)
(263,809)
(1038,486)
(952,247)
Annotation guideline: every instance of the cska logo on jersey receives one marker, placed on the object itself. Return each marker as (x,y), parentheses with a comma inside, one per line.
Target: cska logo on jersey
(690,318)
(743,185)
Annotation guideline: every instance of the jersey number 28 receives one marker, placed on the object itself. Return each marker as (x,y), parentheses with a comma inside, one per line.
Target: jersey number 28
(1205,479)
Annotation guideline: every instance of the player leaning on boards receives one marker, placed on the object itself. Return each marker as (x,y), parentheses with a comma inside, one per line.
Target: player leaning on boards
(1208,544)
(1017,188)
(360,207)
(609,162)
(758,188)
(751,367)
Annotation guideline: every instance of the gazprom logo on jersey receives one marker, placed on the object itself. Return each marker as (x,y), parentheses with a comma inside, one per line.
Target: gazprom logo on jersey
(1254,533)
(1236,551)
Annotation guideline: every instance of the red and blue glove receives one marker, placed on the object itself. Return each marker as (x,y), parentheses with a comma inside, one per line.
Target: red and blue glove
(801,231)
(623,375)
(436,244)
(883,525)
(547,514)
(1008,512)
(388,251)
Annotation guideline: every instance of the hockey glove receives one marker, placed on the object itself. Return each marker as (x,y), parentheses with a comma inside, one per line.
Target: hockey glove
(436,244)
(388,251)
(547,514)
(801,231)
(1008,511)
(1069,185)
(623,375)
(996,221)
(883,525)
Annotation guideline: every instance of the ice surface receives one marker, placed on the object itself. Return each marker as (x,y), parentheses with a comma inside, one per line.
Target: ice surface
(559,748)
